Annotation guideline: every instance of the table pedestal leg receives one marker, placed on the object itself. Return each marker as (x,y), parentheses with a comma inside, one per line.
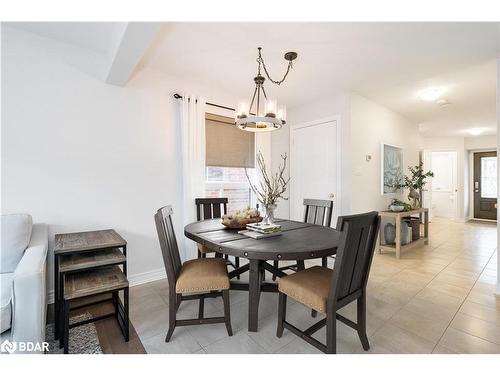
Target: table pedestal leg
(254,294)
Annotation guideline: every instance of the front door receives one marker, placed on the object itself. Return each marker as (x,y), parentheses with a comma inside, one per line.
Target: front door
(485,185)
(313,165)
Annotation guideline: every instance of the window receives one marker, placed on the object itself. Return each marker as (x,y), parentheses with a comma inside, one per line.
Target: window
(228,152)
(230,183)
(488,177)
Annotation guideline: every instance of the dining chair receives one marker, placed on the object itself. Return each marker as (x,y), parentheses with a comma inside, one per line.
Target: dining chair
(328,290)
(316,211)
(199,278)
(212,208)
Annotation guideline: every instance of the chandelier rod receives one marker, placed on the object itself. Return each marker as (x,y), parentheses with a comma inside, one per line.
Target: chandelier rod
(179,96)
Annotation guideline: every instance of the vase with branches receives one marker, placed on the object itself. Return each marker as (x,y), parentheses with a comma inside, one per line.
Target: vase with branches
(415,183)
(270,187)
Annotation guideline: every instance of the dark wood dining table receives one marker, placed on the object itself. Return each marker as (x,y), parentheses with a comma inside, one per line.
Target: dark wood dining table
(298,241)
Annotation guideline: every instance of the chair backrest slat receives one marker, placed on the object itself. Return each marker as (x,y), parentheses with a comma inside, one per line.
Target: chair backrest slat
(168,243)
(318,211)
(355,254)
(210,208)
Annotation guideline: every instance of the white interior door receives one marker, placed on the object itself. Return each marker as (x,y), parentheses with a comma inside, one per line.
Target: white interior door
(313,157)
(444,184)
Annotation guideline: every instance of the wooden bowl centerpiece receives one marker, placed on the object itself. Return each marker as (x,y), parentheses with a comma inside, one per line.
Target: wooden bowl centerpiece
(241,218)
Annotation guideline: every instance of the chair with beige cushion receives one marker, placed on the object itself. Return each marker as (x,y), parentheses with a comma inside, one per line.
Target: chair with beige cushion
(326,290)
(198,278)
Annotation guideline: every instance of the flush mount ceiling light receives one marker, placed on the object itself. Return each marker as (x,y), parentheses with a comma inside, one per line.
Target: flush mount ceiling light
(259,117)
(475,131)
(430,94)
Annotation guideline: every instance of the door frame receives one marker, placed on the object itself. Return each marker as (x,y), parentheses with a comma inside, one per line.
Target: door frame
(471,183)
(338,196)
(428,190)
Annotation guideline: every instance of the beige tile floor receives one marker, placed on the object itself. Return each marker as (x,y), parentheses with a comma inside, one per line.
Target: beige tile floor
(439,298)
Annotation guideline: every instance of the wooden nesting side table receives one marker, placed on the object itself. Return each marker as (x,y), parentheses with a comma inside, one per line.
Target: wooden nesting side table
(88,264)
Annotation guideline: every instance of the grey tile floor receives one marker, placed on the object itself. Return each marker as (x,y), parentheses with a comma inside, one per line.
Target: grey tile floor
(439,298)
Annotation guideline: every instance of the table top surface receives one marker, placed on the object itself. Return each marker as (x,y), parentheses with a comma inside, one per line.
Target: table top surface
(298,240)
(85,241)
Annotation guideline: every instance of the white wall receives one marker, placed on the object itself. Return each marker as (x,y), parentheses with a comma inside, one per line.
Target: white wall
(365,125)
(371,125)
(484,142)
(80,154)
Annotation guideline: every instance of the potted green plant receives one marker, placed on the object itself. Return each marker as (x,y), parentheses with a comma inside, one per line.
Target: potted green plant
(415,183)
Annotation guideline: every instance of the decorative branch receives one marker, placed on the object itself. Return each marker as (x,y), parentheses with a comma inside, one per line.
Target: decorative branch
(271,187)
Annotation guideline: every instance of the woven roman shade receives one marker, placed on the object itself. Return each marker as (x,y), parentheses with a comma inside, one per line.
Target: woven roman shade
(226,145)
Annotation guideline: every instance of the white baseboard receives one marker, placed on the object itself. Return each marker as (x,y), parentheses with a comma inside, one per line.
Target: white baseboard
(137,279)
(147,277)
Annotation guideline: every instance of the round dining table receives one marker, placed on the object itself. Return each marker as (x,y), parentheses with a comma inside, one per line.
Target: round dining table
(298,241)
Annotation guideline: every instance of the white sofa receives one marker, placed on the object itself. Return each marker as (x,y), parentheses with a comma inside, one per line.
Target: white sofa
(23,263)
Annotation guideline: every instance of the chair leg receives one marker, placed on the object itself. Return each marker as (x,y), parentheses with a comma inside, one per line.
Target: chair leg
(275,265)
(66,327)
(237,264)
(172,314)
(227,312)
(301,265)
(281,314)
(331,333)
(324,262)
(362,322)
(201,307)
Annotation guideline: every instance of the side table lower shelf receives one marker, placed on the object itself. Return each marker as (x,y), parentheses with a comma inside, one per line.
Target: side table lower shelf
(94,282)
(398,218)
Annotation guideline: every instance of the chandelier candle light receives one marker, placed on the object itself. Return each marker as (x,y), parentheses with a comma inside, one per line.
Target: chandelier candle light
(267,117)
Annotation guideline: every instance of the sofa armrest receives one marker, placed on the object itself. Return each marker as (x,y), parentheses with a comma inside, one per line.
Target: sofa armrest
(29,296)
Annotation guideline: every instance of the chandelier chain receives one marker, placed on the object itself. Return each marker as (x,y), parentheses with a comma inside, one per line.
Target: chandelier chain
(260,60)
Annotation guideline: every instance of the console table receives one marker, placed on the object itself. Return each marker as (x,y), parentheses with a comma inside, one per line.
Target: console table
(88,264)
(398,217)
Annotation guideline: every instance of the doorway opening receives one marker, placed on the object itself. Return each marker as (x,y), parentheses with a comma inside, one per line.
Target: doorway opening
(485,188)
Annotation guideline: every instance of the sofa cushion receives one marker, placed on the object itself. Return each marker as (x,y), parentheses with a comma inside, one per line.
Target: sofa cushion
(16,234)
(5,301)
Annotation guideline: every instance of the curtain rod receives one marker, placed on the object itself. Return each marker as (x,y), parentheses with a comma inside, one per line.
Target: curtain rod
(178,96)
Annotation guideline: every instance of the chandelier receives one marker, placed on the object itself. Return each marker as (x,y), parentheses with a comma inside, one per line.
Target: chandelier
(266,116)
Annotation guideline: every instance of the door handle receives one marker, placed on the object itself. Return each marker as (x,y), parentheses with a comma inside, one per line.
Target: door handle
(331,195)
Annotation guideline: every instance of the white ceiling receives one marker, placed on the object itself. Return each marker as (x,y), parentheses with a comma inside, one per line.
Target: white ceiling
(96,36)
(386,62)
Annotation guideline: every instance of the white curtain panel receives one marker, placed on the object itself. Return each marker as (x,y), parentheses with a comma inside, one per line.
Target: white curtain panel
(192,123)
